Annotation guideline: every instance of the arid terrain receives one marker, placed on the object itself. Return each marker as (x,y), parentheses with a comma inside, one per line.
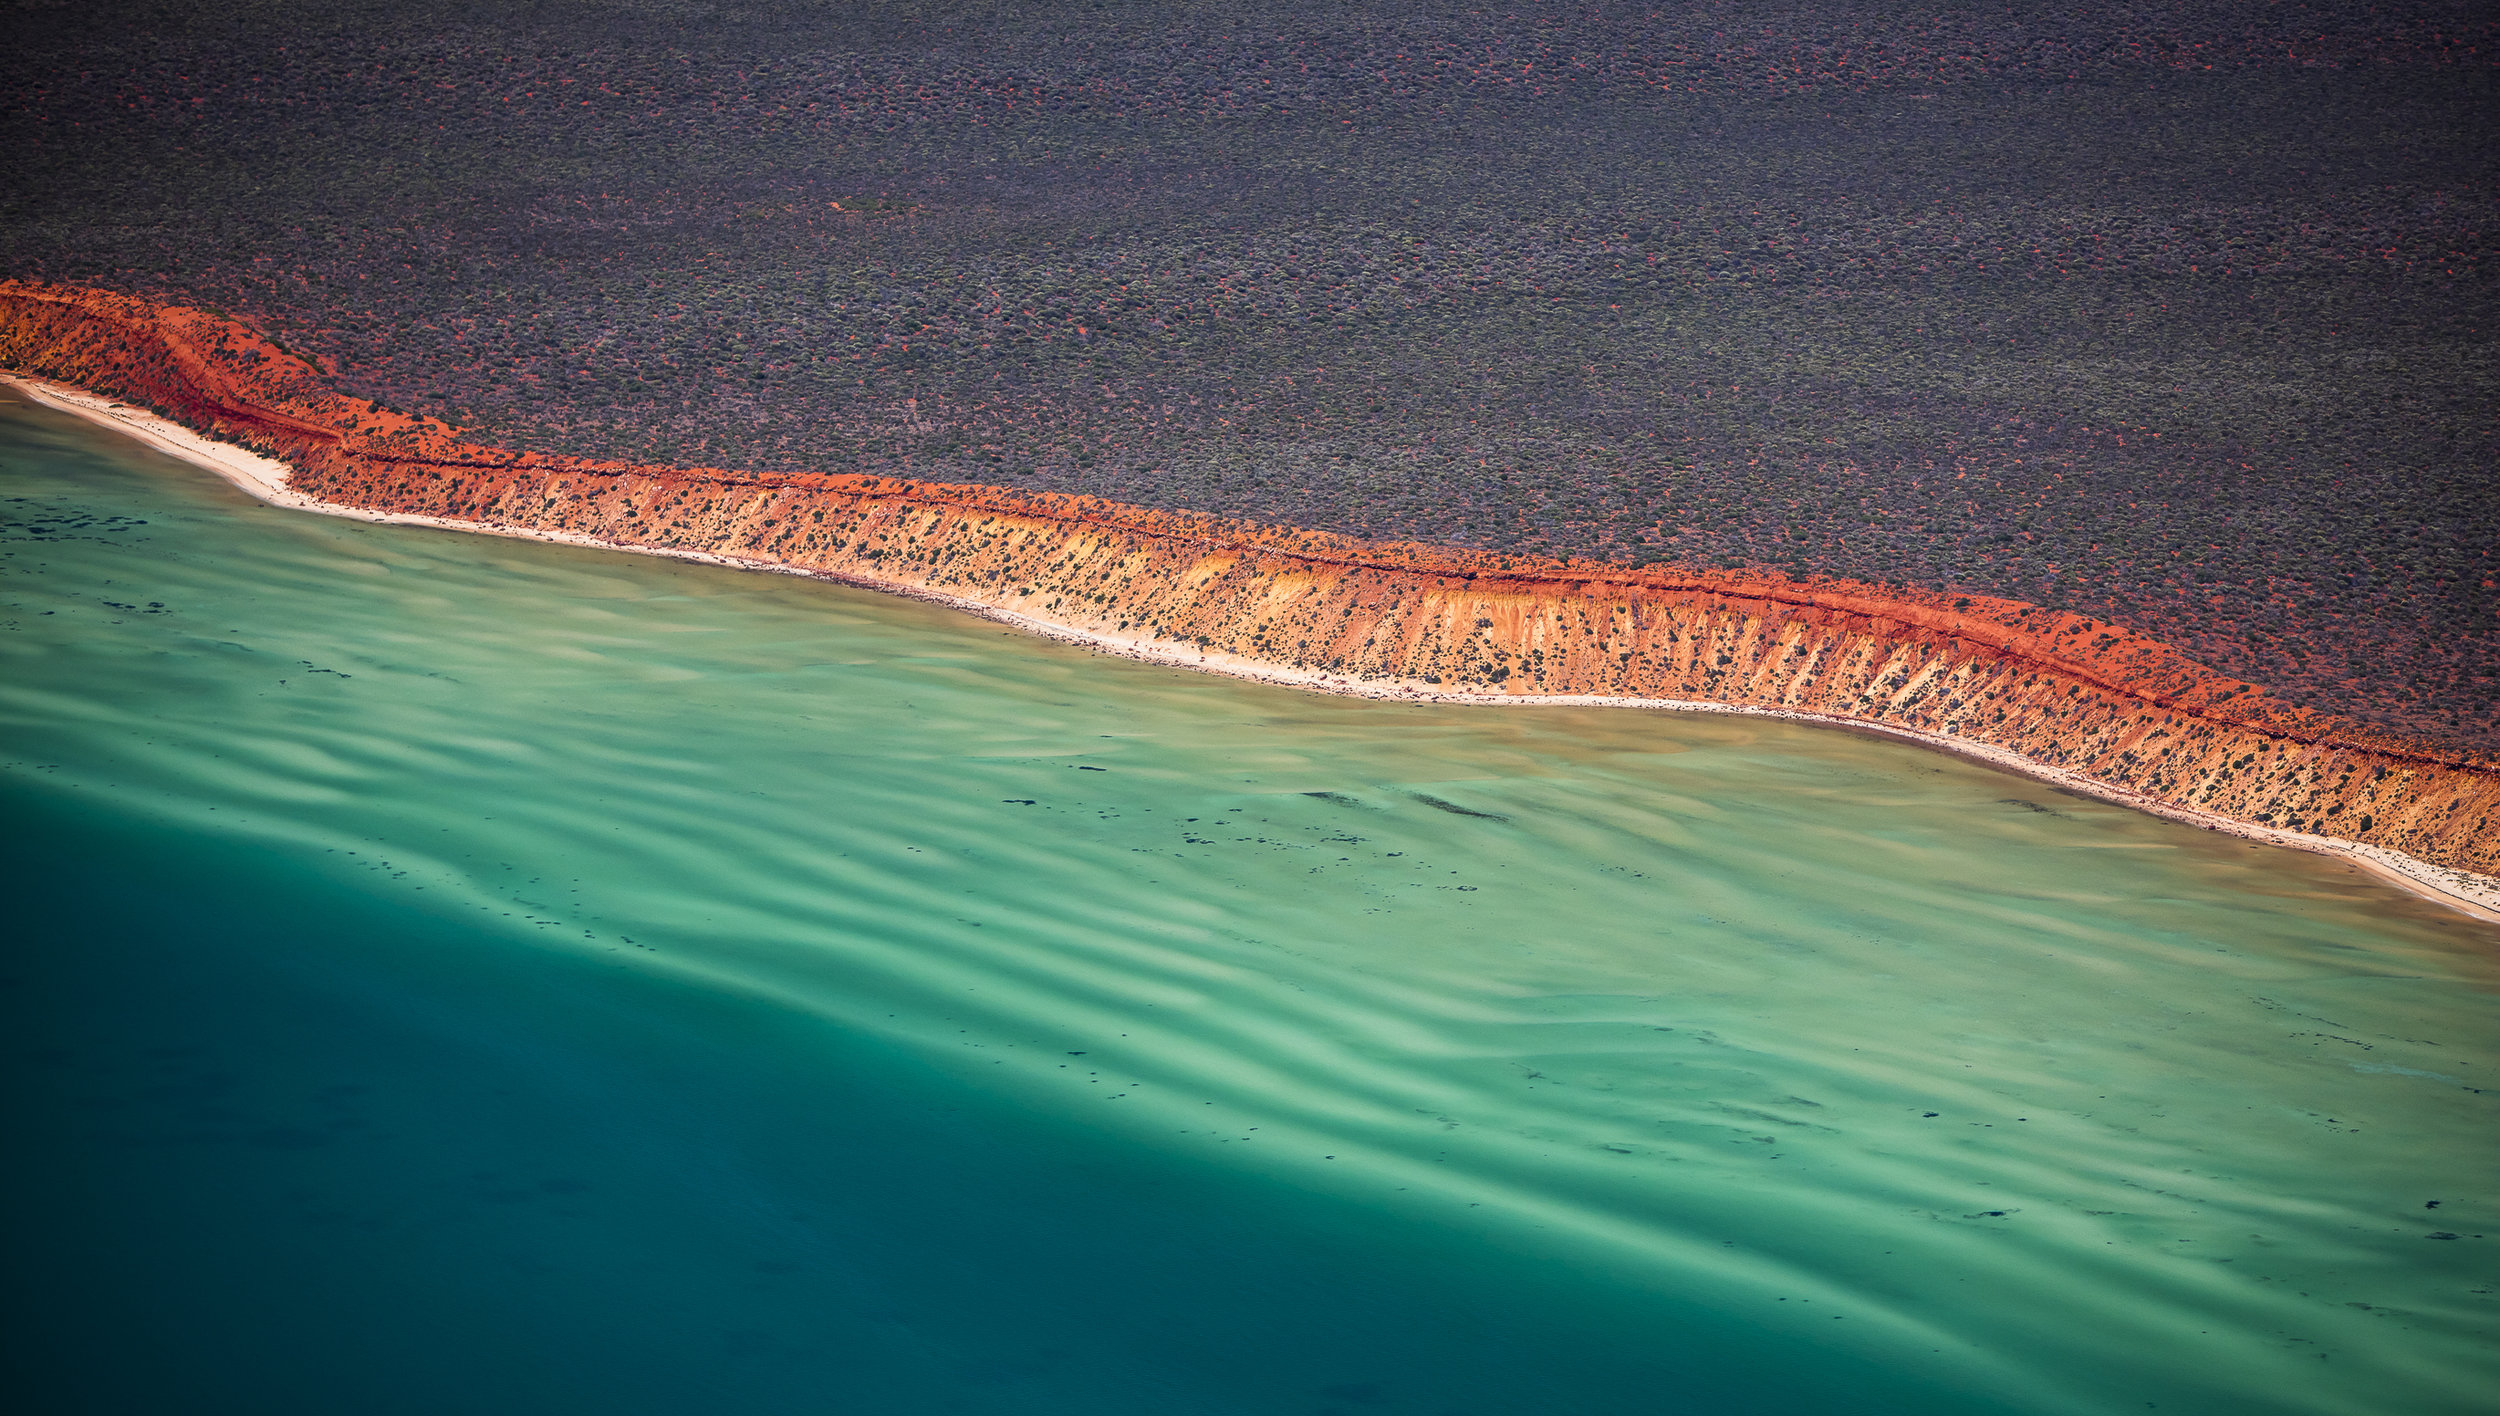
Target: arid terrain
(2175,319)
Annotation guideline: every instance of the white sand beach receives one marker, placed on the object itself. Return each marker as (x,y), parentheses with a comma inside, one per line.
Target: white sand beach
(267,479)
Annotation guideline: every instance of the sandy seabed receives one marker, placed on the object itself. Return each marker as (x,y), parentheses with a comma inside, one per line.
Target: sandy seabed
(267,479)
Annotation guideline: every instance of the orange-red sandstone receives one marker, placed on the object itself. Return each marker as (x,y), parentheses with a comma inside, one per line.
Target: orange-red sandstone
(2056,688)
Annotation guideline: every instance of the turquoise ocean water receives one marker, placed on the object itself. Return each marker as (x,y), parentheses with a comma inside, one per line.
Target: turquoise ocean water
(457,975)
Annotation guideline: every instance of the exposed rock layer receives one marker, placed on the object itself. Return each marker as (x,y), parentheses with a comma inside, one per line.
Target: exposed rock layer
(2118,709)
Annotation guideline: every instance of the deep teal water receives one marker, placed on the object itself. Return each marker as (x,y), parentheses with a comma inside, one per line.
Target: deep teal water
(446,974)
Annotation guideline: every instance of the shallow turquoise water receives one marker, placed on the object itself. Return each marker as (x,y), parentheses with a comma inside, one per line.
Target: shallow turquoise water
(454,974)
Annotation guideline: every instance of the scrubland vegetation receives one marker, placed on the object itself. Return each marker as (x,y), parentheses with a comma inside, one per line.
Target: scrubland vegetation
(2177,316)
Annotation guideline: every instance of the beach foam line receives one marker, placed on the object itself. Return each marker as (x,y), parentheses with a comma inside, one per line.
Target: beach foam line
(266,478)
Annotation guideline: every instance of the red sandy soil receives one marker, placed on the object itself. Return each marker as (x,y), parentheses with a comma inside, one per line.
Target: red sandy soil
(2122,711)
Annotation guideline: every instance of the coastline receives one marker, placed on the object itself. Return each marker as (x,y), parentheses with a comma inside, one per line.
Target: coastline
(267,479)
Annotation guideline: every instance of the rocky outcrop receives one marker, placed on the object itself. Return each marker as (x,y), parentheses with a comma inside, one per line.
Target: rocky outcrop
(2121,711)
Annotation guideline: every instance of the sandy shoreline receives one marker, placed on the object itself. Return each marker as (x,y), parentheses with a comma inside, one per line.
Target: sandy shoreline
(266,478)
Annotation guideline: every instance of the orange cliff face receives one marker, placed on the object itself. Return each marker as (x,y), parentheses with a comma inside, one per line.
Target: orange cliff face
(2094,700)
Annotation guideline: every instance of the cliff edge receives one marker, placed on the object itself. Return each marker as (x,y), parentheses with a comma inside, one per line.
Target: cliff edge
(2085,700)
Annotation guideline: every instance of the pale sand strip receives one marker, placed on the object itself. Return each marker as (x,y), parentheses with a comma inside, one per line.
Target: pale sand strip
(263,477)
(266,478)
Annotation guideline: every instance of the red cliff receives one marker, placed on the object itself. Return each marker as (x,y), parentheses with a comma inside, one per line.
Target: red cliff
(2121,711)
